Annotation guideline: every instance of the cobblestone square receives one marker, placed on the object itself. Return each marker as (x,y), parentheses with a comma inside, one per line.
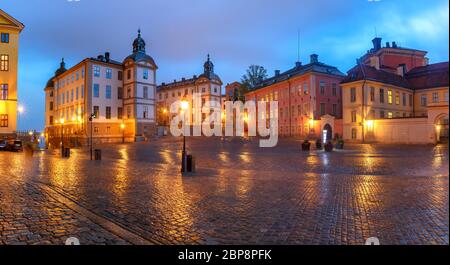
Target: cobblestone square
(241,194)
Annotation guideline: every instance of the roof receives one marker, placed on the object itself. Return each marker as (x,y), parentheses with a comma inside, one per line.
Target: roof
(141,57)
(316,67)
(177,84)
(366,72)
(429,76)
(14,22)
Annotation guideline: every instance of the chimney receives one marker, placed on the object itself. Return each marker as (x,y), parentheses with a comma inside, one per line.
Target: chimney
(298,64)
(394,44)
(388,45)
(163,84)
(107,56)
(183,79)
(277,72)
(100,57)
(401,69)
(376,44)
(314,58)
(375,62)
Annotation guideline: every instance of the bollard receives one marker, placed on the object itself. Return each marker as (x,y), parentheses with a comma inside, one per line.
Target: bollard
(98,154)
(190,164)
(67,152)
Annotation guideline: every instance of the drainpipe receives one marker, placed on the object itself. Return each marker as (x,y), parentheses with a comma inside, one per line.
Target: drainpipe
(289,110)
(363,106)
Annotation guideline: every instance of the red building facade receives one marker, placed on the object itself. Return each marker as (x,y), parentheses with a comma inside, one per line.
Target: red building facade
(304,93)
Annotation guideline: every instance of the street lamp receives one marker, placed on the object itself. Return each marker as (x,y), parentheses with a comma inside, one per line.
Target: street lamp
(122,127)
(20,110)
(184,107)
(62,135)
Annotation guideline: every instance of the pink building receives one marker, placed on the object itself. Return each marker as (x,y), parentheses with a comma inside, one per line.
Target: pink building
(309,99)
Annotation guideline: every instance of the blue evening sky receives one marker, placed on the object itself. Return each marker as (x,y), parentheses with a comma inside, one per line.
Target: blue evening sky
(237,33)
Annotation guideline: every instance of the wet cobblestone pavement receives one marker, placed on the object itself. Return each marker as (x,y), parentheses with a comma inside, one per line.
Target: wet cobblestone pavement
(241,194)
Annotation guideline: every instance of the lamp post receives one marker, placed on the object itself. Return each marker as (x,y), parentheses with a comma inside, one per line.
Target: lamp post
(122,127)
(184,107)
(91,140)
(62,135)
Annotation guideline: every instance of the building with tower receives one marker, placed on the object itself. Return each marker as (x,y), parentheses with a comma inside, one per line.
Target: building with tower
(208,84)
(119,95)
(10,29)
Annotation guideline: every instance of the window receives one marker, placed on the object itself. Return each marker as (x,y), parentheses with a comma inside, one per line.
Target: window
(108,92)
(353,94)
(146,92)
(97,71)
(397,98)
(334,89)
(381,95)
(119,113)
(3,120)
(423,100)
(71,95)
(129,92)
(129,112)
(354,116)
(446,96)
(119,92)
(108,113)
(410,100)
(82,91)
(50,118)
(390,99)
(334,109)
(305,89)
(96,112)
(129,74)
(404,99)
(382,114)
(119,75)
(4,62)
(108,73)
(4,92)
(322,109)
(145,114)
(299,110)
(51,105)
(82,73)
(78,76)
(5,37)
(435,97)
(145,75)
(354,133)
(322,87)
(96,91)
(372,94)
(390,116)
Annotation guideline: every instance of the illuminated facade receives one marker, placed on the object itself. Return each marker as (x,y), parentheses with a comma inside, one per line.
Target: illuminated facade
(208,84)
(10,29)
(120,95)
(304,93)
(398,84)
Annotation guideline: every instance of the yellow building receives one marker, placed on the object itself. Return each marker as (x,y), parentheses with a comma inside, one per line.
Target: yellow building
(388,104)
(10,29)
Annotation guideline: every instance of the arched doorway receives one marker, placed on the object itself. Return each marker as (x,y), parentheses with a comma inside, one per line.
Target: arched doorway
(441,127)
(327,133)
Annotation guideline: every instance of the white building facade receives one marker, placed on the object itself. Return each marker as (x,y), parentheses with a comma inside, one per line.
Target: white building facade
(119,95)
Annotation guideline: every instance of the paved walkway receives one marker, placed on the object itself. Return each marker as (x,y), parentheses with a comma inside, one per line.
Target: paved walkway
(242,194)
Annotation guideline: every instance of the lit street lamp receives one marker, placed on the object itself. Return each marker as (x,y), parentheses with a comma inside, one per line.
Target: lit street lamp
(122,127)
(20,110)
(62,135)
(184,107)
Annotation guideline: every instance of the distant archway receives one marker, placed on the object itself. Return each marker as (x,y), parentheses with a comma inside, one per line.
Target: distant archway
(441,128)
(329,131)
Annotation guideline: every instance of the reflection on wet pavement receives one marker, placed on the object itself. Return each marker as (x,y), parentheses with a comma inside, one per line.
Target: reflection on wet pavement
(243,194)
